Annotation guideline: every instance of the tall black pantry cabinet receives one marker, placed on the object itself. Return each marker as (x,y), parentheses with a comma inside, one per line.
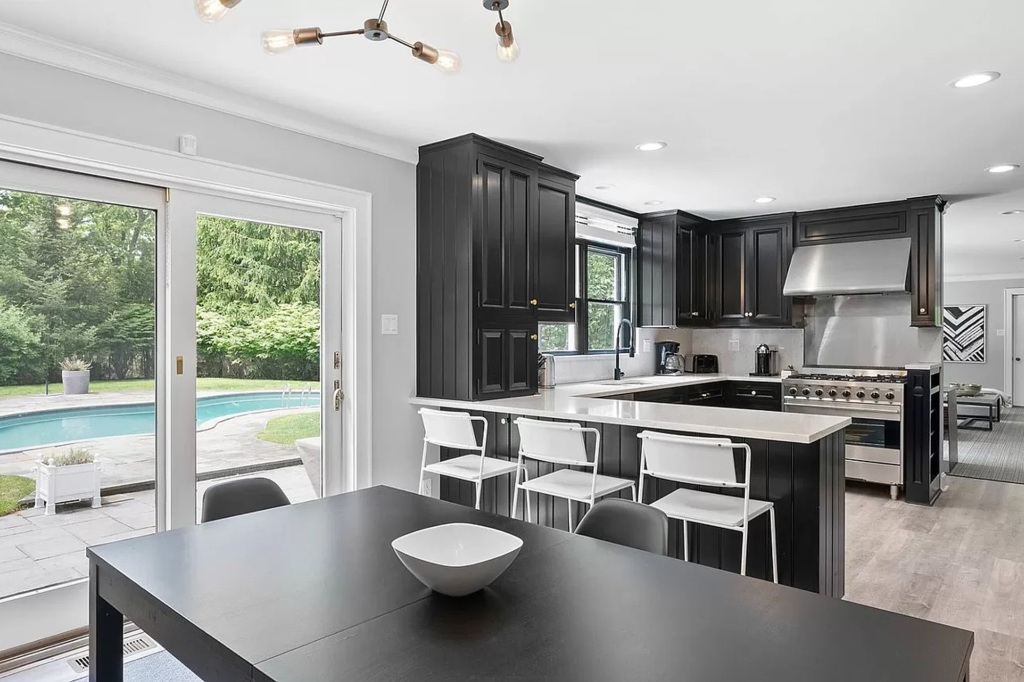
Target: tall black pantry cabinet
(495,235)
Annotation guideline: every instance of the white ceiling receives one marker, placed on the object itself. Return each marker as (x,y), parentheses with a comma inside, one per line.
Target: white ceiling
(820,103)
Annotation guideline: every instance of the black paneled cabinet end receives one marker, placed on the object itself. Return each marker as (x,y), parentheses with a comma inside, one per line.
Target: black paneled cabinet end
(495,234)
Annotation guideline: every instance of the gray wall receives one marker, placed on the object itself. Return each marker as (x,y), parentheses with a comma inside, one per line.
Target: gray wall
(56,97)
(991,293)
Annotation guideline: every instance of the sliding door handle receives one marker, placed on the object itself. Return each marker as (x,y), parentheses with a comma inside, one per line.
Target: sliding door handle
(338,396)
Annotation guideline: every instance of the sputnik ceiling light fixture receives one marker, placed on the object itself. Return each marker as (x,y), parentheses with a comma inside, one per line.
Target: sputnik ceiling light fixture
(375,29)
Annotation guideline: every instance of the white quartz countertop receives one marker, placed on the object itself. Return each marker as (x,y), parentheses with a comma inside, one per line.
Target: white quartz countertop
(584,402)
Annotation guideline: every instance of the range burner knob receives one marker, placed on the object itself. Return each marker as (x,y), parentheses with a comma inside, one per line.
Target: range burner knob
(793,391)
(807,391)
(831,393)
(860,394)
(818,392)
(846,393)
(890,396)
(874,395)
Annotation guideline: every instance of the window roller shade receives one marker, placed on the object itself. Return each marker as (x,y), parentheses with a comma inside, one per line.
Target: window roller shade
(594,224)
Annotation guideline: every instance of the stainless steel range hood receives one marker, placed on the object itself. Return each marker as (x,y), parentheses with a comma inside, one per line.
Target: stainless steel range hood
(874,267)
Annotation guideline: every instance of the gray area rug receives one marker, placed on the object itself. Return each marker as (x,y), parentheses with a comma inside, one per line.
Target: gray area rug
(996,455)
(158,667)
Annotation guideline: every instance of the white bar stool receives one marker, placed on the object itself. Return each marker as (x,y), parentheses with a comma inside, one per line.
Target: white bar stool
(704,461)
(562,443)
(455,430)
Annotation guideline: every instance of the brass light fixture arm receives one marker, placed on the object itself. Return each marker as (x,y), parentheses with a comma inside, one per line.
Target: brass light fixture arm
(401,42)
(383,9)
(335,34)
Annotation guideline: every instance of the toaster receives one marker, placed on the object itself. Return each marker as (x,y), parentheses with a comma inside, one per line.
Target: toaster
(703,364)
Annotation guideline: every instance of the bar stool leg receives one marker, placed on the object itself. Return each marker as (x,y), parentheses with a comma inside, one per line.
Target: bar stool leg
(686,541)
(479,490)
(743,550)
(775,558)
(569,502)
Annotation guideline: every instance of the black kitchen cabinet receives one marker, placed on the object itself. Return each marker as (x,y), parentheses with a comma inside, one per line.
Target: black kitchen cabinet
(924,218)
(556,237)
(751,262)
(755,395)
(852,224)
(672,283)
(708,395)
(495,234)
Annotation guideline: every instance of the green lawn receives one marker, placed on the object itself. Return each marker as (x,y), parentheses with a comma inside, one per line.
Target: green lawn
(12,489)
(147,385)
(288,429)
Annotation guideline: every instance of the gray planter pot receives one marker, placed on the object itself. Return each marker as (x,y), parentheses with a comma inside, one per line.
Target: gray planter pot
(75,383)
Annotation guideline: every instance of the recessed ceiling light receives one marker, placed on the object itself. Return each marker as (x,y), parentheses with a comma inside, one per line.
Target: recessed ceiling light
(651,146)
(1003,168)
(601,188)
(975,79)
(653,202)
(764,200)
(1016,211)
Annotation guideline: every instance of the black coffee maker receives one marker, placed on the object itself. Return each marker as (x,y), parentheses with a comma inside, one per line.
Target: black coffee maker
(663,351)
(766,361)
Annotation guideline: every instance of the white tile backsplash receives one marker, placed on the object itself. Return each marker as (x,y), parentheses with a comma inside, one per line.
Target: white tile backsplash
(789,343)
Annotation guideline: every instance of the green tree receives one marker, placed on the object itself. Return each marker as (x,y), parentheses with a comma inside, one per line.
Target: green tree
(19,345)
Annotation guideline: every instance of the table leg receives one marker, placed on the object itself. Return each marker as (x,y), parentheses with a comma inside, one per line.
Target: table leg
(106,635)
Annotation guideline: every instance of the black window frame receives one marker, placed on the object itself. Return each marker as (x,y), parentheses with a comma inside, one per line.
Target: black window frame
(583,249)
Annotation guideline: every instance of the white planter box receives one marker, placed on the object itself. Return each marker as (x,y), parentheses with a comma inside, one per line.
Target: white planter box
(67,484)
(75,383)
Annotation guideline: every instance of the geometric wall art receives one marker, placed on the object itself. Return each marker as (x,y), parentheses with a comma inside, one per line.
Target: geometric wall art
(963,333)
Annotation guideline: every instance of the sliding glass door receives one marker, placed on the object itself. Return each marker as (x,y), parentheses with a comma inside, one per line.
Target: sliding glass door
(79,303)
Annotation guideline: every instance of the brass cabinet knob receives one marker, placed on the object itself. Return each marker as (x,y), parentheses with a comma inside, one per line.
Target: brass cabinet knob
(694,314)
(533,301)
(533,337)
(504,421)
(572,306)
(753,393)
(924,311)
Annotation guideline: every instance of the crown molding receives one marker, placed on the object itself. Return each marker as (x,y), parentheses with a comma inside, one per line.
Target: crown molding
(987,277)
(19,42)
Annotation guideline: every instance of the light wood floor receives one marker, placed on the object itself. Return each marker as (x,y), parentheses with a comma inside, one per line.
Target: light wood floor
(960,562)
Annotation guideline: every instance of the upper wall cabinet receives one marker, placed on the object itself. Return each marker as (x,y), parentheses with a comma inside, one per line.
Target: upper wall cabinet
(750,266)
(672,271)
(495,231)
(852,224)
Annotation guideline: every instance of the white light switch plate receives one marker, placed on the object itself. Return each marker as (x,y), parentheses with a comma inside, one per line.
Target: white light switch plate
(734,345)
(389,324)
(188,145)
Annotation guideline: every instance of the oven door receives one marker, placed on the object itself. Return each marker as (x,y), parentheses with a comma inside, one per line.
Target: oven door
(876,434)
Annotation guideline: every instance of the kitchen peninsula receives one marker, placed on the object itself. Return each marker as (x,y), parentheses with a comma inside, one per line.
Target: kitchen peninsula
(797,463)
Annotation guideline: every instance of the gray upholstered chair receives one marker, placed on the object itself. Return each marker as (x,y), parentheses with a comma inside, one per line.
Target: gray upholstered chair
(242,497)
(627,523)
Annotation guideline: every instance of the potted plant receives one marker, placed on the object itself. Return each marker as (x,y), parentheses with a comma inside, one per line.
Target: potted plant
(75,375)
(67,477)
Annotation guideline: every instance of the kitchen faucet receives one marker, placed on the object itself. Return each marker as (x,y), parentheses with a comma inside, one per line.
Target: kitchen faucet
(618,346)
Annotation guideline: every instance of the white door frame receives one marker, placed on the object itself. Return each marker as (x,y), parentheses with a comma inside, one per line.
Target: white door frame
(63,149)
(1008,321)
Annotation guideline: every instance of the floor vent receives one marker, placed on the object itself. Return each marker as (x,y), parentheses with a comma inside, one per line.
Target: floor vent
(135,645)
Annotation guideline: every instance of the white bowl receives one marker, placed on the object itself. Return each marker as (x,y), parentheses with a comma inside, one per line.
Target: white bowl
(457,559)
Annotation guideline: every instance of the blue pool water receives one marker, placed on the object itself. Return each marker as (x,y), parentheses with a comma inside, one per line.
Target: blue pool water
(20,432)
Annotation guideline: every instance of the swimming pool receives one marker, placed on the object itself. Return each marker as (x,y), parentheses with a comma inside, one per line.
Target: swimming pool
(49,427)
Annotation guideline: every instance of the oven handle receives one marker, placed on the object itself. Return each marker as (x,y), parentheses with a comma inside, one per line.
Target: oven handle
(883,414)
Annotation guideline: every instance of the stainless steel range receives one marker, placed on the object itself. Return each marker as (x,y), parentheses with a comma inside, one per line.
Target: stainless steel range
(874,442)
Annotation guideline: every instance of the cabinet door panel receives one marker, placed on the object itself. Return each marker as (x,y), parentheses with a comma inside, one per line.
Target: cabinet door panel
(556,235)
(685,276)
(925,230)
(491,234)
(731,276)
(522,367)
(493,362)
(520,236)
(766,268)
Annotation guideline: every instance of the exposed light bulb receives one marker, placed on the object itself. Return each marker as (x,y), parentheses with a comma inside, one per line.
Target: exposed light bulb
(508,48)
(448,62)
(508,53)
(213,10)
(278,40)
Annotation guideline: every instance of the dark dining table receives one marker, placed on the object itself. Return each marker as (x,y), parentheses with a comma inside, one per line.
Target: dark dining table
(314,592)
